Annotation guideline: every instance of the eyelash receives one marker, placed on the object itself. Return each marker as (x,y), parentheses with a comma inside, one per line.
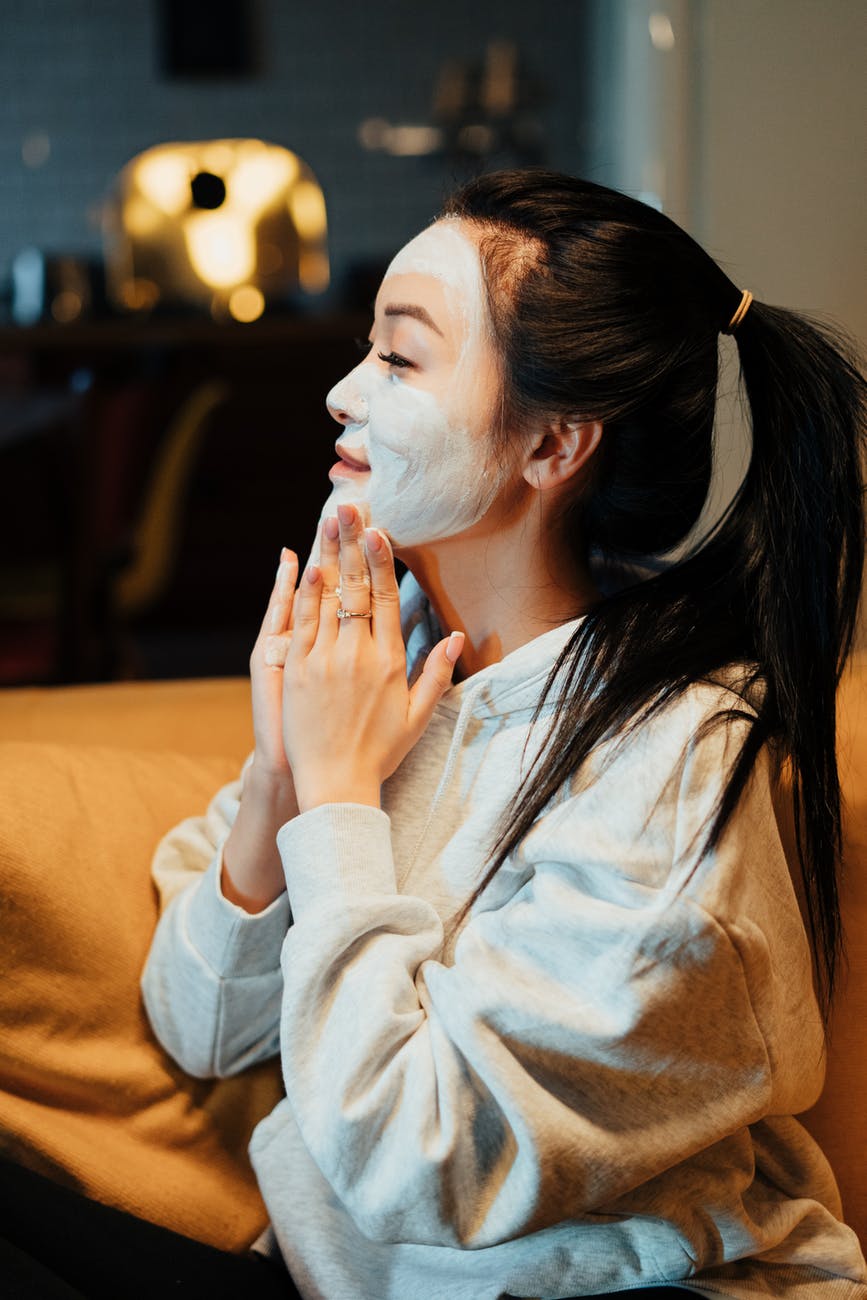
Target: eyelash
(390,358)
(393,359)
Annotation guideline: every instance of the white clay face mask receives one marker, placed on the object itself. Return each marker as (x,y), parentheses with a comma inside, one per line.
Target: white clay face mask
(432,474)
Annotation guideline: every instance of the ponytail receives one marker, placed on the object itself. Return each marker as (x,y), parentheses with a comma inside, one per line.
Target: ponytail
(616,313)
(801,514)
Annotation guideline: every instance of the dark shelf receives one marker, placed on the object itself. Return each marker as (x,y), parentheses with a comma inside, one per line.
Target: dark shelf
(73,486)
(124,333)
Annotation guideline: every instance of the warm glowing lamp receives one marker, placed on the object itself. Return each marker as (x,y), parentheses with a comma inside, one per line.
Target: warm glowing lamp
(221,248)
(227,225)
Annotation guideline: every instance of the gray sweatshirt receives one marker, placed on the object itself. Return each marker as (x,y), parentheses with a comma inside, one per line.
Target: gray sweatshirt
(589,1087)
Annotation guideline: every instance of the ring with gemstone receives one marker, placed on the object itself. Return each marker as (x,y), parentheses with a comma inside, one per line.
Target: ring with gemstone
(353,613)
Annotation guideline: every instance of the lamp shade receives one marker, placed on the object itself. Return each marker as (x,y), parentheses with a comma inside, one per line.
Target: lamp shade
(225,225)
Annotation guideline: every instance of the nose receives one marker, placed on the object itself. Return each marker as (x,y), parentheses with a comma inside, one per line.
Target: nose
(346,403)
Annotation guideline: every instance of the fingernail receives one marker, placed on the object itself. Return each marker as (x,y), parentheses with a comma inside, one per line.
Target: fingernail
(454,647)
(346,515)
(331,528)
(372,540)
(313,575)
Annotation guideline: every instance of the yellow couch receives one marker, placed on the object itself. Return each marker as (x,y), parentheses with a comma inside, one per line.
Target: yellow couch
(90,777)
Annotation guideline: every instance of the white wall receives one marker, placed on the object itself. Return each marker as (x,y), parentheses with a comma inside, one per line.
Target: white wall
(781,175)
(781,172)
(752,128)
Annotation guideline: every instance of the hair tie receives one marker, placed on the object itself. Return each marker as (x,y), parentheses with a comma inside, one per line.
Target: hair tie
(743,308)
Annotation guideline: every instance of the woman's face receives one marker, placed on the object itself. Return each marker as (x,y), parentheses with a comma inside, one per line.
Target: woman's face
(416,451)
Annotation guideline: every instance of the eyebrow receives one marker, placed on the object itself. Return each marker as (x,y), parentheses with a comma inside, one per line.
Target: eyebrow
(412,309)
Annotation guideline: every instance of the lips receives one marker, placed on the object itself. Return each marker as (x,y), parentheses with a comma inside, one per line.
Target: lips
(351,461)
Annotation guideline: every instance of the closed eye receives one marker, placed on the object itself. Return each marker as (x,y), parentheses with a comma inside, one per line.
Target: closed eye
(392,359)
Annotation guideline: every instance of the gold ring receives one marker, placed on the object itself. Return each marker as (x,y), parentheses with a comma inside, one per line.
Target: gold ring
(353,613)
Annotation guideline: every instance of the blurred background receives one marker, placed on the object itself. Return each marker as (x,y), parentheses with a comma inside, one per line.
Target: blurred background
(197,201)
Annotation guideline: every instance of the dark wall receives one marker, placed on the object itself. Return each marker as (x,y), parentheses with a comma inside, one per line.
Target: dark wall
(86,408)
(83,92)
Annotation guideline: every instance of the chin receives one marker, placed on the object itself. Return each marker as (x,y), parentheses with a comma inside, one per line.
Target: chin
(346,493)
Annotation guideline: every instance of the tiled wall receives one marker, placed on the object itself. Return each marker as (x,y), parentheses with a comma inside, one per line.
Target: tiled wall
(83,73)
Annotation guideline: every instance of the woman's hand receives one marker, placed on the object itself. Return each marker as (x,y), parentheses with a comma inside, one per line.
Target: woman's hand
(268,653)
(252,874)
(349,717)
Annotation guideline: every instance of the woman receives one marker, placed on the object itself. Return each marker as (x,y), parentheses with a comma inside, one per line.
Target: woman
(546,1002)
(510,902)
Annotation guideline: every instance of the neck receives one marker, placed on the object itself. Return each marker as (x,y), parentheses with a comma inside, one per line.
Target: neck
(500,588)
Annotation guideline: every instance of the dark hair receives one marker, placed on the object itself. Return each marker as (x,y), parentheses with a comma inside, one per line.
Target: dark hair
(603,308)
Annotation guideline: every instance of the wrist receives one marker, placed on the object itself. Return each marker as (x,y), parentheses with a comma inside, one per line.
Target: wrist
(269,788)
(333,789)
(249,891)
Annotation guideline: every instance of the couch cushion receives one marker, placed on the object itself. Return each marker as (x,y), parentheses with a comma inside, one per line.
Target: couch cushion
(206,716)
(86,1094)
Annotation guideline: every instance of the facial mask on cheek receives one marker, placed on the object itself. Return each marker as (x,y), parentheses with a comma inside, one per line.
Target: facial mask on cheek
(427,479)
(431,476)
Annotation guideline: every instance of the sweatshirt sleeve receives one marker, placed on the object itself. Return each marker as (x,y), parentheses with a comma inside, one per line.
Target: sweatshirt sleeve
(594,1030)
(212,983)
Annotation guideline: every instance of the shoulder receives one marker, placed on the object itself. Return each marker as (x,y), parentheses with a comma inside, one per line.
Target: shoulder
(704,724)
(644,796)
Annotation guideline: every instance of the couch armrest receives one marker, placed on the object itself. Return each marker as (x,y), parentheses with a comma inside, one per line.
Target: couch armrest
(196,717)
(92,777)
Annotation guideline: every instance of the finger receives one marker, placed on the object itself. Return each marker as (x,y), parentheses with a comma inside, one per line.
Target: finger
(354,577)
(435,679)
(277,649)
(329,563)
(384,592)
(329,552)
(307,600)
(280,601)
(277,618)
(313,555)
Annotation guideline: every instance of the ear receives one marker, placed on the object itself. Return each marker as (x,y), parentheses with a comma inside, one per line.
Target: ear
(559,451)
